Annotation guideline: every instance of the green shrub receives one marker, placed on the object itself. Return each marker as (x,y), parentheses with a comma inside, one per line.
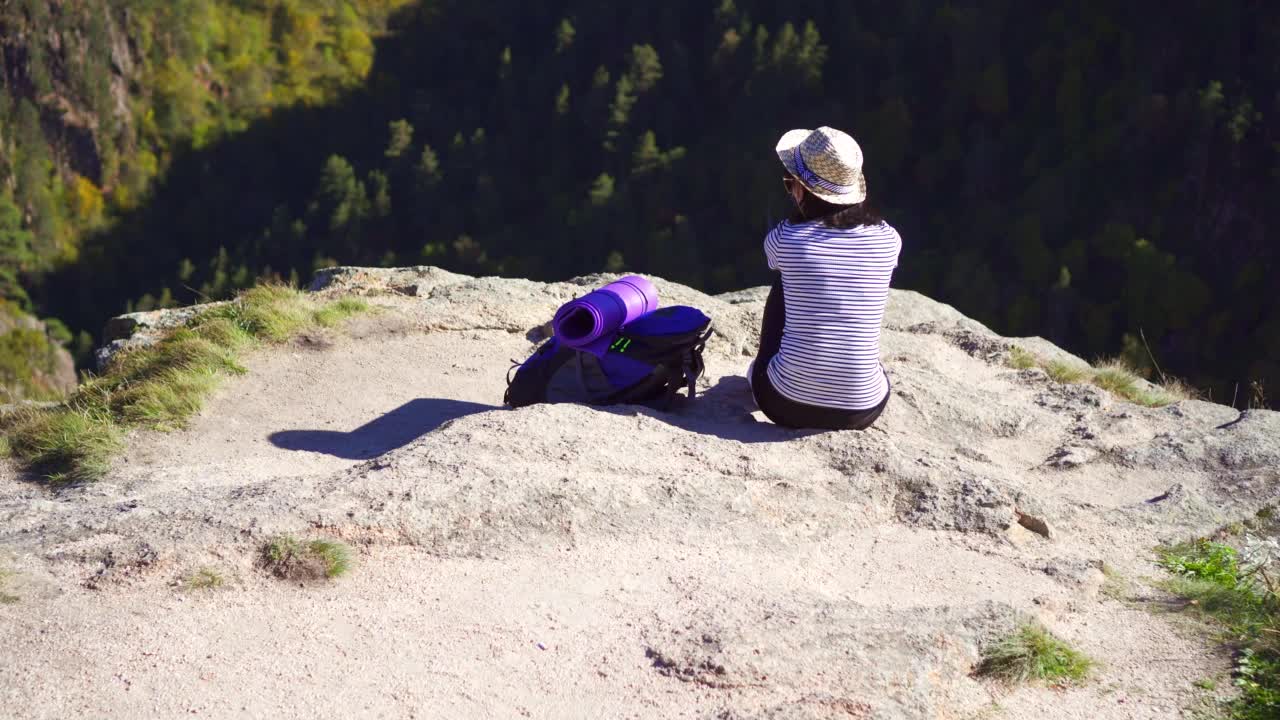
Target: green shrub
(1258,677)
(1203,560)
(1216,584)
(27,358)
(1032,653)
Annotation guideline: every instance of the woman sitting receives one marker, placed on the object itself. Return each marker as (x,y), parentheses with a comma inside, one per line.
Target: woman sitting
(819,360)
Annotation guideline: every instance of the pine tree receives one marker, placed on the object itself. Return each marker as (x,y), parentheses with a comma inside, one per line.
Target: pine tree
(562,100)
(645,68)
(401,138)
(564,35)
(427,171)
(624,98)
(646,155)
(601,190)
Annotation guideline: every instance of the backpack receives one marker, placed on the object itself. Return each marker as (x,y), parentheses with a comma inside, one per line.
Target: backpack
(645,362)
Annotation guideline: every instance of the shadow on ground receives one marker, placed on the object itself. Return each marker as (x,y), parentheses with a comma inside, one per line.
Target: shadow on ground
(393,430)
(725,411)
(722,411)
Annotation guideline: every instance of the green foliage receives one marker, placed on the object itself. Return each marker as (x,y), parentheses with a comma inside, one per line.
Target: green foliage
(562,100)
(1040,172)
(28,359)
(15,239)
(1258,677)
(401,138)
(1219,585)
(199,72)
(1032,653)
(601,190)
(161,386)
(1203,560)
(71,444)
(565,33)
(645,68)
(287,557)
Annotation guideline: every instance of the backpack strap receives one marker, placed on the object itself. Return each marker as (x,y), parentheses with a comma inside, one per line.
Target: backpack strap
(696,366)
(529,385)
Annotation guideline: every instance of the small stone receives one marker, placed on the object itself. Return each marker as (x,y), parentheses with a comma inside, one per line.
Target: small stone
(1070,456)
(1034,524)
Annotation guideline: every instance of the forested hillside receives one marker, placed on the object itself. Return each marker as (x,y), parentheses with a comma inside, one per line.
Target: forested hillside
(1086,174)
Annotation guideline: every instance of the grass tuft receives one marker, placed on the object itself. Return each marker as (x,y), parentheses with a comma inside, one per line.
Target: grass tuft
(167,403)
(1032,653)
(269,312)
(337,311)
(334,556)
(68,445)
(1065,372)
(1118,378)
(288,557)
(205,578)
(1020,359)
(161,386)
(1114,376)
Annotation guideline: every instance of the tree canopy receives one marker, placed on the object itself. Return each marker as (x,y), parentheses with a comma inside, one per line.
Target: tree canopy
(1096,173)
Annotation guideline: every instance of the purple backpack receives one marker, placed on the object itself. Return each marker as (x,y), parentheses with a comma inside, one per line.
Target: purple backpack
(647,362)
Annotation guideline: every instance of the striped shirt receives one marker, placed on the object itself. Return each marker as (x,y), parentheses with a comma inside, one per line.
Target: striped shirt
(835,284)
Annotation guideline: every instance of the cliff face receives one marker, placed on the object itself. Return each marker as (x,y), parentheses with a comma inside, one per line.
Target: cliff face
(570,561)
(73,61)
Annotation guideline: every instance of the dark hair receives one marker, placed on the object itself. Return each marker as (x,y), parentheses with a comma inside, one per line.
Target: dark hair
(813,208)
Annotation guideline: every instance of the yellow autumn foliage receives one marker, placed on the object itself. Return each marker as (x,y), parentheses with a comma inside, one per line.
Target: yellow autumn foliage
(86,200)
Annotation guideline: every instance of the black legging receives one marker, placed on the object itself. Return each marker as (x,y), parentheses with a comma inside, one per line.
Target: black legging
(782,410)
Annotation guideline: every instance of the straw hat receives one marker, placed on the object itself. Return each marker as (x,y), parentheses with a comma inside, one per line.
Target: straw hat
(827,162)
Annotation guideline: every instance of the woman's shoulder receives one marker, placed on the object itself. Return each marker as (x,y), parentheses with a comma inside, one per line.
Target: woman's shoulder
(809,227)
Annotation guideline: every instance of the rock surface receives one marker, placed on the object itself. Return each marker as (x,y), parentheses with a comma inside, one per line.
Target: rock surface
(567,561)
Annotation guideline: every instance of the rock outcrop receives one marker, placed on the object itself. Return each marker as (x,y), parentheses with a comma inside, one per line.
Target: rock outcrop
(570,561)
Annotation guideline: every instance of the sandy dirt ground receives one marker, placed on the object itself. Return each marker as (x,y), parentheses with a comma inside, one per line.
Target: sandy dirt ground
(573,562)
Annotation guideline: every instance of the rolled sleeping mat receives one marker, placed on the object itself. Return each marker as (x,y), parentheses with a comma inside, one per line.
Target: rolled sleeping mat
(584,322)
